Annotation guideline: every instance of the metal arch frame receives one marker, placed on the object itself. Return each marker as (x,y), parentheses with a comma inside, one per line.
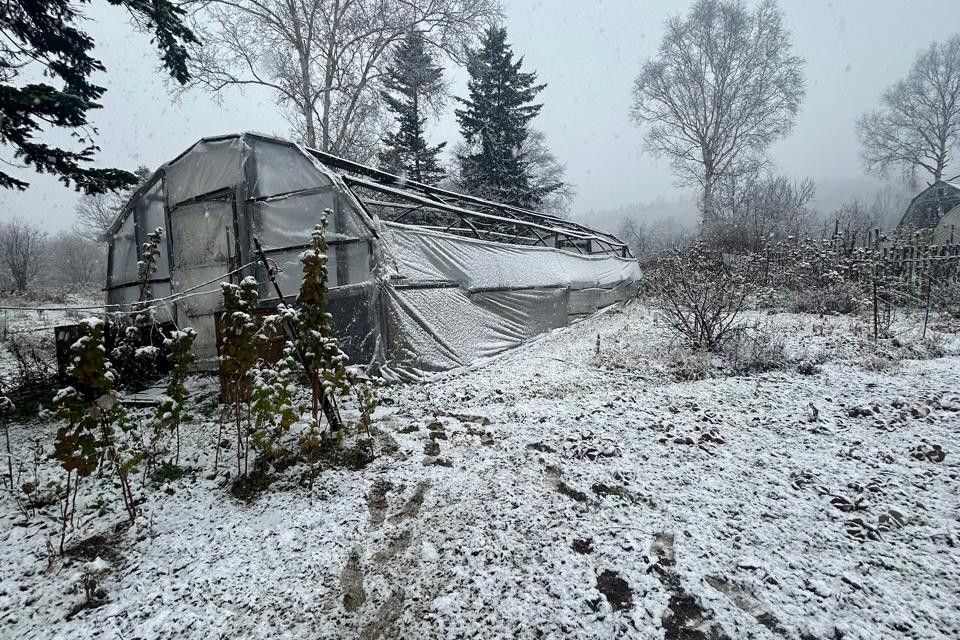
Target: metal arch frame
(468,215)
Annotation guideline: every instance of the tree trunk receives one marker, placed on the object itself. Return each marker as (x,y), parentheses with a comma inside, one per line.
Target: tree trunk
(709,207)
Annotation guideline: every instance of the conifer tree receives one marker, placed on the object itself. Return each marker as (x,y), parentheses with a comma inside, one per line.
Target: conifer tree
(45,39)
(495,121)
(414,87)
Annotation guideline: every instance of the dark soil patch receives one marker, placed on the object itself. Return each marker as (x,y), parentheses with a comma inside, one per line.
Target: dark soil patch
(583,545)
(604,490)
(351,581)
(616,590)
(247,488)
(685,619)
(412,507)
(570,492)
(542,448)
(377,500)
(101,545)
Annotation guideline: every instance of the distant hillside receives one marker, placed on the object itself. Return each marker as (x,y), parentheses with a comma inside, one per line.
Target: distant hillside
(683,212)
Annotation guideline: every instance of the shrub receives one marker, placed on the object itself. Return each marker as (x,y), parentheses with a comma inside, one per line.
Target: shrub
(699,296)
(754,351)
(689,366)
(879,362)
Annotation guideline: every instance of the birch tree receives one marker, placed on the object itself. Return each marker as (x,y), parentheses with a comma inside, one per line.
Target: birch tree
(917,126)
(323,60)
(723,87)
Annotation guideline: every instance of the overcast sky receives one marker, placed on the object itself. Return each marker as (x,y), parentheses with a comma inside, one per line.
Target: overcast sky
(587,52)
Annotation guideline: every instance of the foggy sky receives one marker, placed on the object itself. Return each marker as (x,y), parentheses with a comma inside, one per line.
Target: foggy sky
(587,52)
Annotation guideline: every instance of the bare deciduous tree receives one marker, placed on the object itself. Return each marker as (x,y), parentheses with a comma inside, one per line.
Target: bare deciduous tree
(723,87)
(323,59)
(758,209)
(77,260)
(698,296)
(23,250)
(547,174)
(647,238)
(918,123)
(96,213)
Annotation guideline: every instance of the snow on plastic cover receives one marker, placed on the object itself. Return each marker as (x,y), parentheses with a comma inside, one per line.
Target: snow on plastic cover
(207,167)
(281,168)
(535,310)
(476,265)
(440,328)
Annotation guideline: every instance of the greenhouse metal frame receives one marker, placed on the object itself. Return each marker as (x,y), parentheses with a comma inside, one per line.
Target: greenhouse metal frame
(422,279)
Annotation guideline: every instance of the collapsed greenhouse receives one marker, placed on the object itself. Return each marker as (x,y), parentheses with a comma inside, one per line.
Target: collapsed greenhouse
(421,279)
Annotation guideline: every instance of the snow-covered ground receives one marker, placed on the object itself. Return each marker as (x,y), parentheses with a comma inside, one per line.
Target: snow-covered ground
(557,492)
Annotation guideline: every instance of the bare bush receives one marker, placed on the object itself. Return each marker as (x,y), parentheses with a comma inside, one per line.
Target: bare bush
(23,251)
(755,210)
(699,296)
(689,366)
(754,350)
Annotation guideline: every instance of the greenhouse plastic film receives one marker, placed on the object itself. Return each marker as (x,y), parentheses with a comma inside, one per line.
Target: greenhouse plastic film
(279,168)
(436,329)
(535,310)
(208,166)
(477,265)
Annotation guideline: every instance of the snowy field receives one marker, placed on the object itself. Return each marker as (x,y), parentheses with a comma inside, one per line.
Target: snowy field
(555,492)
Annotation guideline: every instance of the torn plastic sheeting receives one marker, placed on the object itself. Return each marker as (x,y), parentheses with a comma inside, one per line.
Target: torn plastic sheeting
(586,301)
(478,264)
(208,166)
(440,328)
(290,273)
(353,321)
(535,310)
(281,168)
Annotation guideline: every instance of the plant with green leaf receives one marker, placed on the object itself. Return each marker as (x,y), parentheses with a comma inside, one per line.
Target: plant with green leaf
(238,354)
(98,432)
(179,345)
(315,344)
(136,362)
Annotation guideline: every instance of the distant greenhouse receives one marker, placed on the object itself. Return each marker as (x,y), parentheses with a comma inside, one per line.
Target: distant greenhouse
(421,279)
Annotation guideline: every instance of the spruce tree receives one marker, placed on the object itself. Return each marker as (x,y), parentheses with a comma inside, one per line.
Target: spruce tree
(494,121)
(414,86)
(44,39)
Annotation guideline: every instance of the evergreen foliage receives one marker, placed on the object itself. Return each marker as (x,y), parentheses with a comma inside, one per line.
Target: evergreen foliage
(495,121)
(46,32)
(414,87)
